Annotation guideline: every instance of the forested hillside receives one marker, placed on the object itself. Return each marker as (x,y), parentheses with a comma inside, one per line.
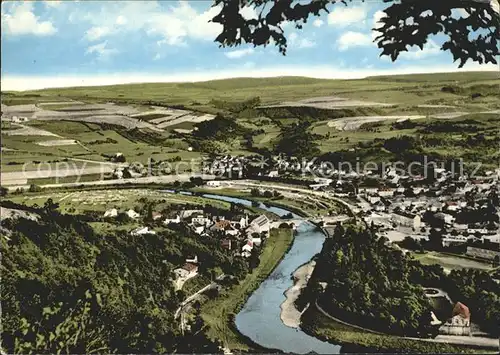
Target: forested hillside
(359,279)
(369,284)
(67,288)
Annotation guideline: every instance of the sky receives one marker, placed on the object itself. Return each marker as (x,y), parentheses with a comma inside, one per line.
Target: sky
(76,43)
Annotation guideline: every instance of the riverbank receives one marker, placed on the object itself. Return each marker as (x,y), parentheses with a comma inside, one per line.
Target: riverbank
(352,339)
(290,315)
(218,314)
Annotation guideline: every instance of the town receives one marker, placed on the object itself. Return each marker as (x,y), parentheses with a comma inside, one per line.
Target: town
(441,208)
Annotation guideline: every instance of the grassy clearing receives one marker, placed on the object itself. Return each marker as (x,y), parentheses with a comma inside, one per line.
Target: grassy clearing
(451,262)
(219,313)
(356,340)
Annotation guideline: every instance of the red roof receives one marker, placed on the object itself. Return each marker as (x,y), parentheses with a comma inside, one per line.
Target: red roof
(461,310)
(250,243)
(223,224)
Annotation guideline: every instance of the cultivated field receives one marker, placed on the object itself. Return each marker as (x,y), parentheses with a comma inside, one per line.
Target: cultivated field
(121,199)
(156,121)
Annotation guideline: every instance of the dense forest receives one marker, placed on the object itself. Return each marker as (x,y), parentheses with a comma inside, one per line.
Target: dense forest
(66,288)
(368,284)
(358,278)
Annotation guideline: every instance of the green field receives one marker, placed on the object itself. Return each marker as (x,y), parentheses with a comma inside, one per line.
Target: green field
(121,199)
(451,262)
(219,313)
(409,89)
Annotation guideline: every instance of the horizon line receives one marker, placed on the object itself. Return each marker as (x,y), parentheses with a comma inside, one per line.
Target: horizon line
(21,83)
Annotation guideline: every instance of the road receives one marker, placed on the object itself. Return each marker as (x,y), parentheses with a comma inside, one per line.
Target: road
(192,297)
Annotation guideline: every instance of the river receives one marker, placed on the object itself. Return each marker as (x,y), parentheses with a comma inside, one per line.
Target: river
(260,317)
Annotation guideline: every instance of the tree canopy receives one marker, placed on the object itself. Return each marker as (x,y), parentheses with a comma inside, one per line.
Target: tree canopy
(472,35)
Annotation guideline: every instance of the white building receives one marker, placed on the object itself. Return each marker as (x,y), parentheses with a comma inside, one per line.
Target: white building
(142,231)
(213,183)
(256,240)
(111,213)
(201,220)
(132,214)
(259,225)
(175,220)
(188,213)
(198,229)
(386,192)
(243,222)
(323,181)
(246,250)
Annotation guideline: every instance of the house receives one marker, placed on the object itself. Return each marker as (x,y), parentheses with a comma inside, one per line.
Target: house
(224,226)
(188,213)
(447,218)
(175,220)
(369,190)
(242,222)
(156,216)
(246,250)
(213,183)
(458,239)
(255,240)
(19,119)
(386,192)
(132,214)
(200,219)
(459,323)
(192,259)
(198,229)
(259,225)
(187,271)
(142,231)
(111,213)
(323,181)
